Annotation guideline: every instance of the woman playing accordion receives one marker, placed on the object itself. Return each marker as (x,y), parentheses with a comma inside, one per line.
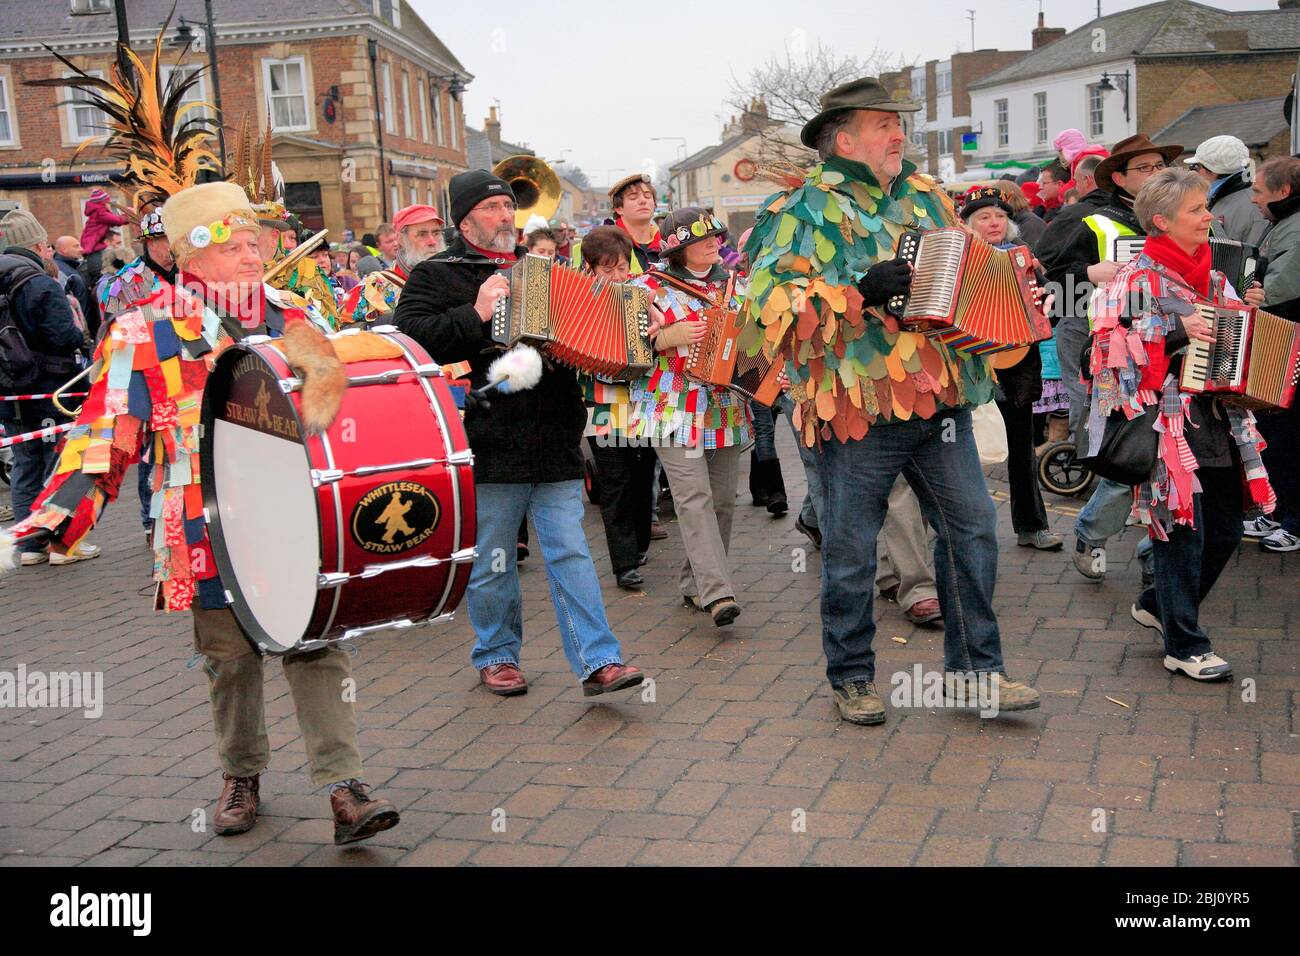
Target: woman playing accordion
(699,430)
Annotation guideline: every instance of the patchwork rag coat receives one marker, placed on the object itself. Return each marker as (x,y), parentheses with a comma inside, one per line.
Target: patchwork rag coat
(144,404)
(1137,332)
(851,368)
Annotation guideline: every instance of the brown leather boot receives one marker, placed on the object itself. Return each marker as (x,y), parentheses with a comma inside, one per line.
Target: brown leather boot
(237,805)
(358,815)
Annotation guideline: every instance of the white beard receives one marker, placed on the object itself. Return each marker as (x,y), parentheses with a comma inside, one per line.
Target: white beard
(503,241)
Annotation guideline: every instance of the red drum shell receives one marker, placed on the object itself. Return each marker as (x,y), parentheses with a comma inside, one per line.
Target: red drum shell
(400,435)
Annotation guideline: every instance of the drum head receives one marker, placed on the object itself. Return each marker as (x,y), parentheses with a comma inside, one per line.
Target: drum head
(262,513)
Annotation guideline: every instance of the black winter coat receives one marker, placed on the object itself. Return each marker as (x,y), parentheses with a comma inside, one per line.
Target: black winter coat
(1069,247)
(41,312)
(530,437)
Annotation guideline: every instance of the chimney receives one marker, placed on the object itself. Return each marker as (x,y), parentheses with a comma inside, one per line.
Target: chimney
(1044,35)
(492,127)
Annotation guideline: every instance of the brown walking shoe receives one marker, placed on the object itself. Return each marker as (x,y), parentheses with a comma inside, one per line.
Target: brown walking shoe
(611,677)
(504,680)
(237,805)
(358,815)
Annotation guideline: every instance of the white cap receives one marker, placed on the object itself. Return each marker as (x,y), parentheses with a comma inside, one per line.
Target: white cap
(1221,154)
(534,223)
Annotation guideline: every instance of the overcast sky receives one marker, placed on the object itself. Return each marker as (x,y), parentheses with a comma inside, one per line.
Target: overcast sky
(596,80)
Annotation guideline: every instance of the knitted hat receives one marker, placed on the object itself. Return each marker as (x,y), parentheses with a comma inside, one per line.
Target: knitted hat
(98,195)
(471,188)
(1223,155)
(1069,142)
(983,198)
(201,215)
(20,228)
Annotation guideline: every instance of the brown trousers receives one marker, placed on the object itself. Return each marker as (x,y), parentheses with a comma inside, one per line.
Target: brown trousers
(237,692)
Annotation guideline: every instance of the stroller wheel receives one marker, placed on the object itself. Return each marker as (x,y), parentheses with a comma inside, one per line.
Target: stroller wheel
(1060,472)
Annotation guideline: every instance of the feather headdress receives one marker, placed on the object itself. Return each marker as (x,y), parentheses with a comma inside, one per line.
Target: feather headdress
(146,123)
(257,175)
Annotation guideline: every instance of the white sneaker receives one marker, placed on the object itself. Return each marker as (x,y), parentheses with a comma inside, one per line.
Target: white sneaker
(1280,541)
(30,558)
(1090,562)
(82,552)
(1200,666)
(1260,527)
(1146,619)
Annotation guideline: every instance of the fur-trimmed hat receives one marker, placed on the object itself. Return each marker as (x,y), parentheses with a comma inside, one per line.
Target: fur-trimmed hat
(209,213)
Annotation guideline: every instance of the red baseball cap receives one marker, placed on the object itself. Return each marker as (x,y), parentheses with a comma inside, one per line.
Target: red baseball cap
(416,214)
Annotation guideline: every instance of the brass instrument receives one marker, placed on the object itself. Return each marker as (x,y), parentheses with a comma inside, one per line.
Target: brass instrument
(58,392)
(535,185)
(300,252)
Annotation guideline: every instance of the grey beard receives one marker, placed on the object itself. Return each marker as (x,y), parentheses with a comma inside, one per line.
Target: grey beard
(410,258)
(503,241)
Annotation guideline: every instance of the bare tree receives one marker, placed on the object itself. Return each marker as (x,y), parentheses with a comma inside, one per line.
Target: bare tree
(790,89)
(575,175)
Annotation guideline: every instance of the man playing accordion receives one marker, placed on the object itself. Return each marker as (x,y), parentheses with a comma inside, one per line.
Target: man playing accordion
(878,400)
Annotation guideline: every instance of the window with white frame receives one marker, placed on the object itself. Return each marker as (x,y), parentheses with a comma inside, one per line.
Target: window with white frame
(1003,122)
(393,202)
(429,192)
(390,115)
(454,123)
(943,81)
(196,94)
(424,109)
(1096,112)
(918,85)
(84,120)
(286,91)
(435,97)
(6,114)
(415,195)
(945,142)
(389,11)
(1040,117)
(408,119)
(83,7)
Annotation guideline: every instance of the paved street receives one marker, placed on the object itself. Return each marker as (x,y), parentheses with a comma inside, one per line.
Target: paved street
(737,759)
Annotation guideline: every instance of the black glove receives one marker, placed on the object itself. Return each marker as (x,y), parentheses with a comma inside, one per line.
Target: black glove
(476,402)
(885,280)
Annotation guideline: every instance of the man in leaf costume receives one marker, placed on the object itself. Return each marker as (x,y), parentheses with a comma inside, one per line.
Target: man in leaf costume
(878,400)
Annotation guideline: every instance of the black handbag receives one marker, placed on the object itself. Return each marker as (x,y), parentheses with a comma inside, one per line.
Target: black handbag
(1129,447)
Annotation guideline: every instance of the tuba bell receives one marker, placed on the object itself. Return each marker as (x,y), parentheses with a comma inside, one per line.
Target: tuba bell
(535,185)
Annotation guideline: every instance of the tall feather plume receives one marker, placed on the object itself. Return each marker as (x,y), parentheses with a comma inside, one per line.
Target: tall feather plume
(145,122)
(253,169)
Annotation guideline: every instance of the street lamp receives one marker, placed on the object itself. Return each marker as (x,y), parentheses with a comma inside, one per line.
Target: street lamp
(184,39)
(1106,86)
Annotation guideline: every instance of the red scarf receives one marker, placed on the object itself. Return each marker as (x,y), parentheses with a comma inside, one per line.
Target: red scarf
(250,314)
(1194,269)
(509,257)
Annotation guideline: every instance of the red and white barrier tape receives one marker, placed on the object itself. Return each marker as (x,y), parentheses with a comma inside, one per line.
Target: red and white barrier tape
(28,398)
(32,436)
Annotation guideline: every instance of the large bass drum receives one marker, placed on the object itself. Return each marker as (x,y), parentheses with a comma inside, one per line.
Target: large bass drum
(368,526)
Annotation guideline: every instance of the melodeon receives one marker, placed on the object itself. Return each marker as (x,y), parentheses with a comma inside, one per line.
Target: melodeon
(968,294)
(585,322)
(1253,361)
(718,358)
(1239,261)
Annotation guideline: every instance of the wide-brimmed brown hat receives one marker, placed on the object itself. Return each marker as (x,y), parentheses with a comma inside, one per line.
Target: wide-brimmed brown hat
(867,93)
(1125,150)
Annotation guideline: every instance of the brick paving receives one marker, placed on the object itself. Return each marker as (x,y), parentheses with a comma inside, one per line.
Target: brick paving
(737,759)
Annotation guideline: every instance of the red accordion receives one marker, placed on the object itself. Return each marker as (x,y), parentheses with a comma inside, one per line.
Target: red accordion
(1253,361)
(585,322)
(967,293)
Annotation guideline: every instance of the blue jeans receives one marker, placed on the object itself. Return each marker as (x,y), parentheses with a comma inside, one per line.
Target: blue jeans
(496,605)
(764,431)
(1105,515)
(939,459)
(812,503)
(33,461)
(1188,564)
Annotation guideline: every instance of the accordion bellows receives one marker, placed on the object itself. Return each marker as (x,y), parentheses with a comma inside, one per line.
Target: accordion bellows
(1253,361)
(575,318)
(968,294)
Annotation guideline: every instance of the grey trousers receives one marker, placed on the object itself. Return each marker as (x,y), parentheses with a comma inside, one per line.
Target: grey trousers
(235,688)
(905,549)
(1071,336)
(704,497)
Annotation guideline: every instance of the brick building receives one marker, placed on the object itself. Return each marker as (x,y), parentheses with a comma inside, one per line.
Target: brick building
(364,101)
(1138,70)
